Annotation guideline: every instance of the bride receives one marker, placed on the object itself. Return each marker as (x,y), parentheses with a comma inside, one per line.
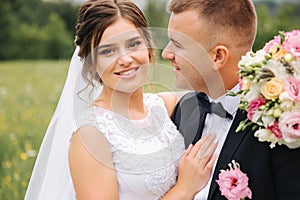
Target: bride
(107,139)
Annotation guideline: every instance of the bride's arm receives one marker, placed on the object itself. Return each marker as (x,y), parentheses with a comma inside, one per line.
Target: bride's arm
(93,175)
(171,99)
(194,169)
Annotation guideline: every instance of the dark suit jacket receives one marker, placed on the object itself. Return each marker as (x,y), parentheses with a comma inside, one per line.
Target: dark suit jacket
(273,173)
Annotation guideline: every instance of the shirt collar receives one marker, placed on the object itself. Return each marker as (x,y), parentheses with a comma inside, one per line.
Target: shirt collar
(230,103)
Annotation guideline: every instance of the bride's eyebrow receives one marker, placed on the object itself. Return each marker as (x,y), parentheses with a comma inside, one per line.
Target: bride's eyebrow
(134,38)
(112,45)
(105,46)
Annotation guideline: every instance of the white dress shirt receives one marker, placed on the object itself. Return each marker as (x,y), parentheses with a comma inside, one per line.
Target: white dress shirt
(219,126)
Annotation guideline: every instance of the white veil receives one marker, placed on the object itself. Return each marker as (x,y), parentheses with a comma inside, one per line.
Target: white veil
(51,179)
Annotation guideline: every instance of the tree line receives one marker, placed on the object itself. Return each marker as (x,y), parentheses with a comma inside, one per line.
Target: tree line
(37,29)
(273,17)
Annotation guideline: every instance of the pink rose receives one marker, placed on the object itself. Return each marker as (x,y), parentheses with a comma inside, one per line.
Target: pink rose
(292,33)
(292,87)
(289,124)
(275,42)
(292,43)
(233,184)
(275,129)
(254,106)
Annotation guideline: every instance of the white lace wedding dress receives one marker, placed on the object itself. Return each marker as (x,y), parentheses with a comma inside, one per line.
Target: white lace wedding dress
(145,152)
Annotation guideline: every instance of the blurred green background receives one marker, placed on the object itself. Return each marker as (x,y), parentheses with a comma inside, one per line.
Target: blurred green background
(36,45)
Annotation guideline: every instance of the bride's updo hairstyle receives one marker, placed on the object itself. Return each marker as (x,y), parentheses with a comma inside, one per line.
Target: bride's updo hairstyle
(94,17)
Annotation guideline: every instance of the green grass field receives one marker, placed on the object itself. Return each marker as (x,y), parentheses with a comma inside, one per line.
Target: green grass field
(29,91)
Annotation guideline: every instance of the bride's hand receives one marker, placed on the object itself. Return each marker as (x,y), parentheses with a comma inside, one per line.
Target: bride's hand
(195,165)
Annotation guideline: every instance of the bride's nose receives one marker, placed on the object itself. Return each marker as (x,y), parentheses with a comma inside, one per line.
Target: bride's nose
(125,60)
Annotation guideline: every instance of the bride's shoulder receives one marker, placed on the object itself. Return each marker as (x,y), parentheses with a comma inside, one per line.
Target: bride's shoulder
(85,118)
(170,99)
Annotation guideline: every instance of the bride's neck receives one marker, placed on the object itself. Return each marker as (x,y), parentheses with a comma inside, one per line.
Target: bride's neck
(130,105)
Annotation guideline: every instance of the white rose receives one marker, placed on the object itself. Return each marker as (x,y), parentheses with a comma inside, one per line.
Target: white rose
(268,120)
(252,58)
(296,65)
(277,68)
(257,114)
(286,102)
(284,96)
(247,59)
(253,93)
(265,135)
(287,105)
(260,56)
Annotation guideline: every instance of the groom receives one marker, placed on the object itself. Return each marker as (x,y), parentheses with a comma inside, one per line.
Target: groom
(207,40)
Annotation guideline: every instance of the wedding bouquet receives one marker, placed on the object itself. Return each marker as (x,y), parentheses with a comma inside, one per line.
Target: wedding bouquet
(270,90)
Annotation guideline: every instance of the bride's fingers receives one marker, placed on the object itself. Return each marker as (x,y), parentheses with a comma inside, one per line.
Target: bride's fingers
(207,157)
(187,151)
(209,151)
(197,146)
(206,145)
(209,148)
(209,166)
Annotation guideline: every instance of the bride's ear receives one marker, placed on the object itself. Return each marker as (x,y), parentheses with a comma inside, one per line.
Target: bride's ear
(220,56)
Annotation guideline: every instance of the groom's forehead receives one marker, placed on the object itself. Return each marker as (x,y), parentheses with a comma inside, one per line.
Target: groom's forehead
(177,36)
(184,39)
(187,31)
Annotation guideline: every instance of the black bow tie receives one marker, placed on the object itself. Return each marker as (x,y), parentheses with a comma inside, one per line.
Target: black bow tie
(205,106)
(212,107)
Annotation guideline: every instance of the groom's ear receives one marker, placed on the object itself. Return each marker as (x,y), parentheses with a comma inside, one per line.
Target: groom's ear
(220,56)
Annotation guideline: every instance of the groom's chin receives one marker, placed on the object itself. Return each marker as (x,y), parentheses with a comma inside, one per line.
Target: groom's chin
(181,83)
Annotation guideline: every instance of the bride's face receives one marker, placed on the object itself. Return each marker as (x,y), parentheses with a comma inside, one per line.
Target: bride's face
(122,57)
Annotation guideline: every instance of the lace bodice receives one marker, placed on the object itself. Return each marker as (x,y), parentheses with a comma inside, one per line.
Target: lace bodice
(145,152)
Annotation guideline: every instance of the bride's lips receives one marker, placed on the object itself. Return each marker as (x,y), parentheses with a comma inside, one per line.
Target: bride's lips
(128,73)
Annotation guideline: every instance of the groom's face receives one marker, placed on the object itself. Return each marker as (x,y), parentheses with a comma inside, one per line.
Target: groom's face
(189,51)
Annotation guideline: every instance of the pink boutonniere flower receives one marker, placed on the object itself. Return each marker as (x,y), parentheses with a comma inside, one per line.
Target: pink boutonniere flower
(233,183)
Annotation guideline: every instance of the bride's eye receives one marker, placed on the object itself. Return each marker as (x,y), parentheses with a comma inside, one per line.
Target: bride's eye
(107,51)
(134,44)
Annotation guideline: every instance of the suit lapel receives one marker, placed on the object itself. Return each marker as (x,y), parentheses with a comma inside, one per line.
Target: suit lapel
(186,117)
(232,142)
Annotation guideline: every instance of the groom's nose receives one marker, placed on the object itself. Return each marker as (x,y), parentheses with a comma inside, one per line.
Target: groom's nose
(168,54)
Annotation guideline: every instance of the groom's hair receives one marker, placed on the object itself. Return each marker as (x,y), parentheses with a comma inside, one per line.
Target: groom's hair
(236,18)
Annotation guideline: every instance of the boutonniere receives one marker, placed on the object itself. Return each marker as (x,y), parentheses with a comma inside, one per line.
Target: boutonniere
(270,90)
(233,183)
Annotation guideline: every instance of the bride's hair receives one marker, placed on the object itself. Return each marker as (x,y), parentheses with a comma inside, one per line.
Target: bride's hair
(94,17)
